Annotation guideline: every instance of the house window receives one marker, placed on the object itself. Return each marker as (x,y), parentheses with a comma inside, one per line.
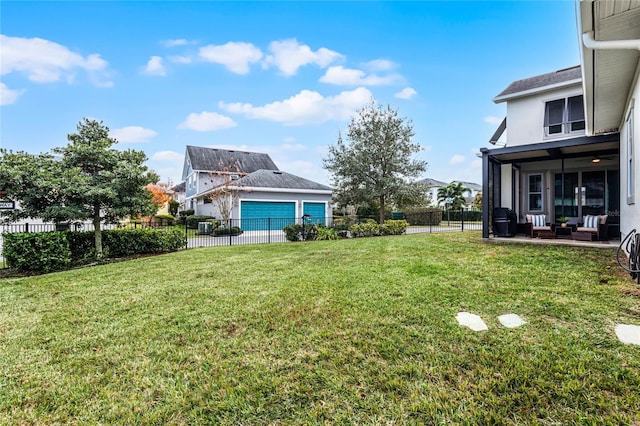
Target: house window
(630,160)
(535,192)
(563,116)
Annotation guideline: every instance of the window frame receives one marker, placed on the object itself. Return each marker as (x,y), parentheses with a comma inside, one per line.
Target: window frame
(541,192)
(566,125)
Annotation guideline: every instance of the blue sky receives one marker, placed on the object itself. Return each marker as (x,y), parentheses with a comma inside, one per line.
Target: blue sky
(275,77)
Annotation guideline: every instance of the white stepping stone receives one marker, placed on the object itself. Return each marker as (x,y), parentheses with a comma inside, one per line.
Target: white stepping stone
(628,333)
(511,320)
(472,321)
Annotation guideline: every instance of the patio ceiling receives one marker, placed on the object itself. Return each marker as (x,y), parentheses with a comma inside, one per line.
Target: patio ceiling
(568,148)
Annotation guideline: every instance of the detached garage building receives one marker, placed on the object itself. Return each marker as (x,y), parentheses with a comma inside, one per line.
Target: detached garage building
(269,198)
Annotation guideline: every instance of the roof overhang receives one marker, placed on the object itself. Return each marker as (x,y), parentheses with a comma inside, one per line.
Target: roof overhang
(609,69)
(537,90)
(567,148)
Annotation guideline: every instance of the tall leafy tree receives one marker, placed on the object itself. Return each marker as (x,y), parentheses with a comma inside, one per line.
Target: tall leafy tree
(376,162)
(86,180)
(455,192)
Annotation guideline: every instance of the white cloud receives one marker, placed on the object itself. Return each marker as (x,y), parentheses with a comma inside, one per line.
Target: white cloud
(379,65)
(236,56)
(306,107)
(456,159)
(342,76)
(175,42)
(406,93)
(289,55)
(44,61)
(180,59)
(133,134)
(155,66)
(168,157)
(207,122)
(493,120)
(8,96)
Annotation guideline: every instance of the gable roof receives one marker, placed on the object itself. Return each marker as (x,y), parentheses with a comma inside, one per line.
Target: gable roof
(209,159)
(541,83)
(279,180)
(432,183)
(470,185)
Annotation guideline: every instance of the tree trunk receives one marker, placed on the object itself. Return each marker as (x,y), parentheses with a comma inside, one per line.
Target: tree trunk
(381,219)
(97,232)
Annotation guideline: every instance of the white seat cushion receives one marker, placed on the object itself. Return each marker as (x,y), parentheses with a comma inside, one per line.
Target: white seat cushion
(585,229)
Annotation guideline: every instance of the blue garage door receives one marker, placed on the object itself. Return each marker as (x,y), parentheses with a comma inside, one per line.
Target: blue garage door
(316,211)
(263,215)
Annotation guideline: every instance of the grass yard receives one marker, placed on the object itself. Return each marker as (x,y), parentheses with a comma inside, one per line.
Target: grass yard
(358,331)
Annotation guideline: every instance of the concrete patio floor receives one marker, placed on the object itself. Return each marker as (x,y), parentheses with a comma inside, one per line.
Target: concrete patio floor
(611,244)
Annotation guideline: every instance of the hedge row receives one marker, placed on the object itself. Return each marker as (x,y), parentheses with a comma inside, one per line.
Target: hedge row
(367,228)
(53,251)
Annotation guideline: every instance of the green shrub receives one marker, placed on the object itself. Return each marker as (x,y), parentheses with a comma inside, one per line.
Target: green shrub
(39,251)
(423,216)
(324,233)
(164,220)
(185,213)
(368,228)
(394,227)
(470,215)
(82,245)
(234,230)
(295,232)
(193,220)
(173,207)
(127,242)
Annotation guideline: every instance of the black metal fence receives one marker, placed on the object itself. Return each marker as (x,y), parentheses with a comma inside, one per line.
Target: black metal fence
(267,230)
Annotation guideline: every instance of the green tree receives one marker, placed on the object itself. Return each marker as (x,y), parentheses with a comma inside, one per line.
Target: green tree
(375,163)
(86,180)
(477,201)
(454,191)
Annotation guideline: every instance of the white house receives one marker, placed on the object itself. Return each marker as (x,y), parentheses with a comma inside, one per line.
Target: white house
(547,164)
(268,198)
(573,140)
(610,35)
(472,189)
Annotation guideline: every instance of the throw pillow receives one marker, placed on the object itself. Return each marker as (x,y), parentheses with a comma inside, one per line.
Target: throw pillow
(591,221)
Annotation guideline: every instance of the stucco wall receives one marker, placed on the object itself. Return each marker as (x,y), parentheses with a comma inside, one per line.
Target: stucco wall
(630,213)
(525,117)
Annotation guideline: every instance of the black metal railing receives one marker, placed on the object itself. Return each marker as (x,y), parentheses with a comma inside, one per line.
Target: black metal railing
(267,230)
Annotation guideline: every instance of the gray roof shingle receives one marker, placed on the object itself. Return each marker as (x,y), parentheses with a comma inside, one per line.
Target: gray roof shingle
(209,159)
(278,179)
(432,183)
(538,81)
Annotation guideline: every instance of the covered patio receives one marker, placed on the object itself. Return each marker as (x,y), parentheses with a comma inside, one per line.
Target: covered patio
(562,178)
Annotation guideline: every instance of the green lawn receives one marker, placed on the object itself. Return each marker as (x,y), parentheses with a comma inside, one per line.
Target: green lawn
(340,332)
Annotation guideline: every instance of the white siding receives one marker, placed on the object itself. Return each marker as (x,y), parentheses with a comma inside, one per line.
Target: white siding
(630,213)
(525,117)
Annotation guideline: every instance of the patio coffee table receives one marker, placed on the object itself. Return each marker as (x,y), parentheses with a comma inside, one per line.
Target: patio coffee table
(582,236)
(563,232)
(546,234)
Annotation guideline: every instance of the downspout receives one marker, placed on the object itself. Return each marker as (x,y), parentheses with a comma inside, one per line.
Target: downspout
(593,44)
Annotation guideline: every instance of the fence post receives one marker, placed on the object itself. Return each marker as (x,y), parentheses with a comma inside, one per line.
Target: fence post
(462,217)
(26,227)
(186,235)
(229,224)
(269,229)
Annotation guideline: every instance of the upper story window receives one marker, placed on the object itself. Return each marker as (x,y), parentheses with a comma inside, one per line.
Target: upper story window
(564,116)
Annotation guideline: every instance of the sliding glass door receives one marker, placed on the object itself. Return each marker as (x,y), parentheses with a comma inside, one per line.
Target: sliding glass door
(578,194)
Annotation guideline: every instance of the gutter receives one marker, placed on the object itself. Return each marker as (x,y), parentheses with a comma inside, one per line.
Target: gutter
(593,44)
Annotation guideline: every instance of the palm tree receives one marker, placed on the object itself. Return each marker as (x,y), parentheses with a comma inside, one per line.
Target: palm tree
(455,192)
